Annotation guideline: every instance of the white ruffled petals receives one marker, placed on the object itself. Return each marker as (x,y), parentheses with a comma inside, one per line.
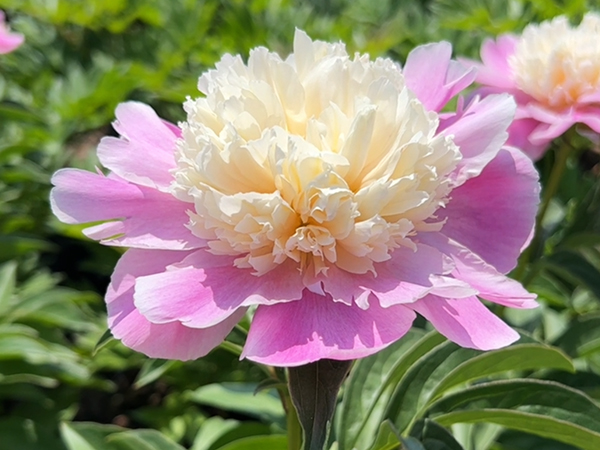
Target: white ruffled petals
(557,64)
(321,159)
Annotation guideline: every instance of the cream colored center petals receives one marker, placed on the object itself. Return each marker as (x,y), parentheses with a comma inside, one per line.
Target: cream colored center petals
(321,159)
(558,64)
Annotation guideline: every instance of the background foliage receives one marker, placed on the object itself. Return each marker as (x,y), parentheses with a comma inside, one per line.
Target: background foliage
(59,391)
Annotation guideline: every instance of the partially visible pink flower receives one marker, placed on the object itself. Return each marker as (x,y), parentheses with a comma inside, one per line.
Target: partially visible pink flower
(322,193)
(553,71)
(8,41)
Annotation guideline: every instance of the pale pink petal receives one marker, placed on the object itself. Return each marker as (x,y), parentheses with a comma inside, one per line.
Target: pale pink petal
(518,136)
(406,277)
(466,321)
(205,289)
(80,197)
(493,214)
(495,55)
(552,123)
(433,77)
(488,282)
(316,327)
(145,152)
(8,41)
(169,340)
(590,116)
(151,219)
(480,132)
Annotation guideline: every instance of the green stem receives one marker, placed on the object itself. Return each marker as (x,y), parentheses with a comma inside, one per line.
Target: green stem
(550,189)
(294,430)
(553,182)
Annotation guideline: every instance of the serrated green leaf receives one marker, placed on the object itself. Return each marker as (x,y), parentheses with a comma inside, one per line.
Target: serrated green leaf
(543,408)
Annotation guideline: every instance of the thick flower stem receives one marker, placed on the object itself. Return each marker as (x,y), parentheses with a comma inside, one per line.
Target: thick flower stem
(313,389)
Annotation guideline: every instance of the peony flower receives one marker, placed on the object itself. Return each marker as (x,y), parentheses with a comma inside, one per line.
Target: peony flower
(8,41)
(553,71)
(323,195)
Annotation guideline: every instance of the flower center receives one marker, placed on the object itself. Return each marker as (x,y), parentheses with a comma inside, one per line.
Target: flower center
(320,159)
(557,64)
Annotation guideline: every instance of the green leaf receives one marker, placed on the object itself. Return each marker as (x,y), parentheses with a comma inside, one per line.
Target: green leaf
(106,340)
(240,398)
(276,442)
(576,268)
(212,430)
(434,437)
(152,370)
(388,438)
(143,440)
(371,384)
(87,436)
(216,432)
(314,389)
(543,408)
(74,441)
(582,337)
(8,280)
(17,113)
(516,357)
(413,394)
(449,365)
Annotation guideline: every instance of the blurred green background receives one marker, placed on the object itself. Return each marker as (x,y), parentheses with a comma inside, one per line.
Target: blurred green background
(57,98)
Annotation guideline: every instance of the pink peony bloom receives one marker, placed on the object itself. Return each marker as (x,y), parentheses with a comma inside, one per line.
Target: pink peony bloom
(322,194)
(553,71)
(8,41)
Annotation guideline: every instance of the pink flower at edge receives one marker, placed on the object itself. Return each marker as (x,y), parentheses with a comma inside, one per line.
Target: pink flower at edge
(335,211)
(552,75)
(8,41)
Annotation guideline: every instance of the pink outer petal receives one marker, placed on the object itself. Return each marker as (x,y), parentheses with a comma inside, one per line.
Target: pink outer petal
(205,289)
(488,282)
(170,340)
(590,116)
(493,214)
(518,136)
(8,41)
(495,68)
(433,77)
(145,152)
(551,123)
(480,132)
(406,277)
(151,219)
(316,327)
(467,322)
